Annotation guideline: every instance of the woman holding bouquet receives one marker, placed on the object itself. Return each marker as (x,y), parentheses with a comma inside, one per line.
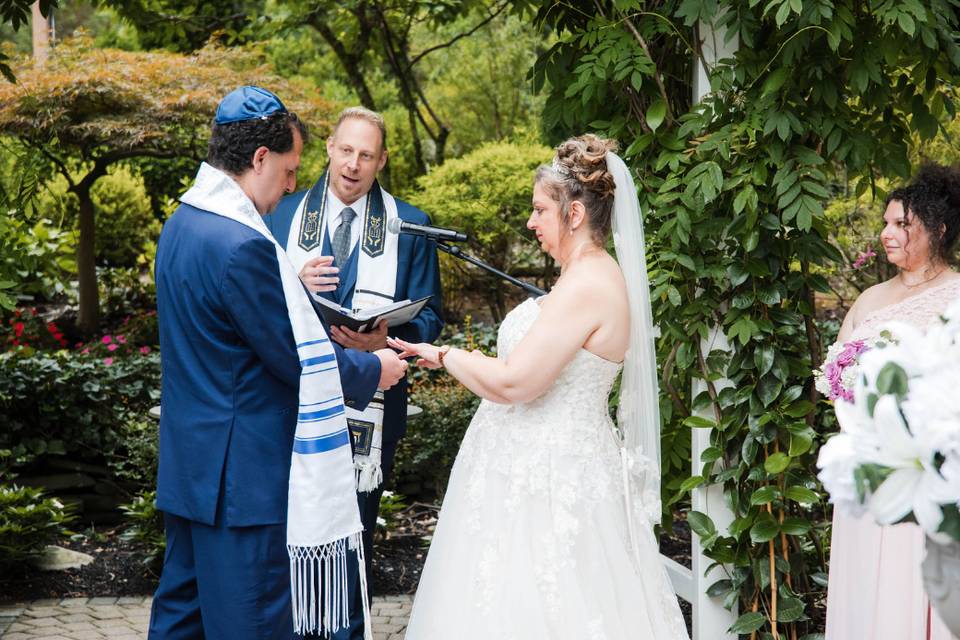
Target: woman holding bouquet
(875,589)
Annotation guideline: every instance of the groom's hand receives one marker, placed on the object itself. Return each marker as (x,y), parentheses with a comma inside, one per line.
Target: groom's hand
(392,368)
(372,340)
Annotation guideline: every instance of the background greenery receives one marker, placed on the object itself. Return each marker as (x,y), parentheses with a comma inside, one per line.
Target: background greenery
(761,207)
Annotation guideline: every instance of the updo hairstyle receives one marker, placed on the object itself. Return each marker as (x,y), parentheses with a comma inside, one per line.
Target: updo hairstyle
(579,172)
(933,197)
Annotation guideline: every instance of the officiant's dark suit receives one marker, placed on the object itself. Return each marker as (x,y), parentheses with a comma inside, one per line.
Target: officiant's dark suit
(418,276)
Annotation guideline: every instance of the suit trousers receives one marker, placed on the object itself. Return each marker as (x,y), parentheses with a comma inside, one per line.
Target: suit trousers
(223,583)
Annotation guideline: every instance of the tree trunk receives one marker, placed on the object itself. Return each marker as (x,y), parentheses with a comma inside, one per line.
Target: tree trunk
(89,316)
(41,36)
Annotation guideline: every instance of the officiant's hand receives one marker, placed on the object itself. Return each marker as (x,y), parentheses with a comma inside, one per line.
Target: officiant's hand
(318,276)
(392,368)
(372,340)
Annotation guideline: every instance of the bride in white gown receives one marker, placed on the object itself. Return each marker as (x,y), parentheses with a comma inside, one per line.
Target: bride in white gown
(546,527)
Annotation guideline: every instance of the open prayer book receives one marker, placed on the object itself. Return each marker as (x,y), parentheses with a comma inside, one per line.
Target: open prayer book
(395,314)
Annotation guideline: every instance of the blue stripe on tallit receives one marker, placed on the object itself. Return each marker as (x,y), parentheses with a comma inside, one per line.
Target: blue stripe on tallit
(321,444)
(310,342)
(310,416)
(310,373)
(317,360)
(313,404)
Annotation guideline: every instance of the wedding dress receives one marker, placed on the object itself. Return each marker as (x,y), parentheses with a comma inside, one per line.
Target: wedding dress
(875,587)
(533,541)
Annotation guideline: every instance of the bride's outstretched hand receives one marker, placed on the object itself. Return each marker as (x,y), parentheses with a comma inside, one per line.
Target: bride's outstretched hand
(428,355)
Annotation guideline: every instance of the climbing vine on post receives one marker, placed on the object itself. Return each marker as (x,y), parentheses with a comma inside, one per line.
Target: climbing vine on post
(733,189)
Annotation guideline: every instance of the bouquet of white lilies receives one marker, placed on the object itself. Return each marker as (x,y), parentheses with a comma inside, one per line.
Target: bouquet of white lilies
(898,454)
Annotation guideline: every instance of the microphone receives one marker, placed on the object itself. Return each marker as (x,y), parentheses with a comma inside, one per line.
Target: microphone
(396,225)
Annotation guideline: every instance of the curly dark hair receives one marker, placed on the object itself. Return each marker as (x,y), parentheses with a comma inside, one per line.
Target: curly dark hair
(933,197)
(232,144)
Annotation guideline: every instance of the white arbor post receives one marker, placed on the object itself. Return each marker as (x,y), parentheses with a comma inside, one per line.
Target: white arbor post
(710,619)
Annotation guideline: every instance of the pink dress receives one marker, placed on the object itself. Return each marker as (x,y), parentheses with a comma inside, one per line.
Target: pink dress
(875,590)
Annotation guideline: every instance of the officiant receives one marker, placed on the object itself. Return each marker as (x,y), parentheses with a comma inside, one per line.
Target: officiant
(336,236)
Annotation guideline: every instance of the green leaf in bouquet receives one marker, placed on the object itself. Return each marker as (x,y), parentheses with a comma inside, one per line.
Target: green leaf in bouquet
(868,477)
(951,521)
(892,379)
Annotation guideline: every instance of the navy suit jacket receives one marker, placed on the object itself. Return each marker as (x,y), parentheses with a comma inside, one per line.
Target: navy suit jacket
(418,276)
(231,373)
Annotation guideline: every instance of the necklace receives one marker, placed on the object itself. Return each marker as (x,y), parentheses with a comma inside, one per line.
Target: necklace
(922,282)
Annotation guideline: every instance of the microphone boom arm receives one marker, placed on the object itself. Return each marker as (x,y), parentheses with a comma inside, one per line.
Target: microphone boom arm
(457,253)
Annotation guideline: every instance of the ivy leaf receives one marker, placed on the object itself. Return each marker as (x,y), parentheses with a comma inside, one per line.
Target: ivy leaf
(776,463)
(774,81)
(795,526)
(764,529)
(719,588)
(691,483)
(748,623)
(800,442)
(789,609)
(802,495)
(763,495)
(701,524)
(697,422)
(656,113)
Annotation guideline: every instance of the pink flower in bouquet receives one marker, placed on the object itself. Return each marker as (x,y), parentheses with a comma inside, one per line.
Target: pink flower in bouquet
(836,376)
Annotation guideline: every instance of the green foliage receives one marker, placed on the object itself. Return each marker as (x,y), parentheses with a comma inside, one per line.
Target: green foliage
(134,461)
(734,189)
(73,403)
(35,259)
(426,453)
(390,505)
(487,194)
(28,523)
(145,526)
(16,13)
(125,225)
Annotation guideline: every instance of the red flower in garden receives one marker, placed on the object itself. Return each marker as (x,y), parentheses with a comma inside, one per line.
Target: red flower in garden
(18,329)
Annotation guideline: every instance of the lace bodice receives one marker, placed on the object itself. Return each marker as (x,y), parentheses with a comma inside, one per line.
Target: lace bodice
(919,310)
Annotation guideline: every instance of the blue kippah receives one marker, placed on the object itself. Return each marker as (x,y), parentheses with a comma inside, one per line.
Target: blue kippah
(247,103)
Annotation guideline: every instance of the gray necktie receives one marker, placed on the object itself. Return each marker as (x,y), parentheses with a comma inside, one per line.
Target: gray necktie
(341,237)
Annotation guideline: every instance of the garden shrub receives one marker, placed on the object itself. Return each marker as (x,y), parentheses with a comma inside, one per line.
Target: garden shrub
(74,402)
(28,523)
(125,222)
(36,258)
(145,526)
(487,194)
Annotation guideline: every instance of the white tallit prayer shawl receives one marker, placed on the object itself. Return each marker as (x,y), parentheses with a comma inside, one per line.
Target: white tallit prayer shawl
(376,286)
(323,520)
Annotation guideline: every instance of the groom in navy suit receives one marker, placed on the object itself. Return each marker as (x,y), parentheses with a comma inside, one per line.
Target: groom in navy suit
(327,250)
(231,375)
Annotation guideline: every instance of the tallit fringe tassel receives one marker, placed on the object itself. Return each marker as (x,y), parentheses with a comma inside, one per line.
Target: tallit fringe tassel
(325,568)
(369,475)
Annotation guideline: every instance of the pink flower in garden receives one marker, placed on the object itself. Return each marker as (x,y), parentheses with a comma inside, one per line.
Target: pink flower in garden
(78,345)
(108,361)
(144,350)
(112,347)
(864,258)
(107,339)
(86,351)
(121,339)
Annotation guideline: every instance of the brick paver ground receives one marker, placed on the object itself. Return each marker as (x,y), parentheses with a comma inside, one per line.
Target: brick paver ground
(127,619)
